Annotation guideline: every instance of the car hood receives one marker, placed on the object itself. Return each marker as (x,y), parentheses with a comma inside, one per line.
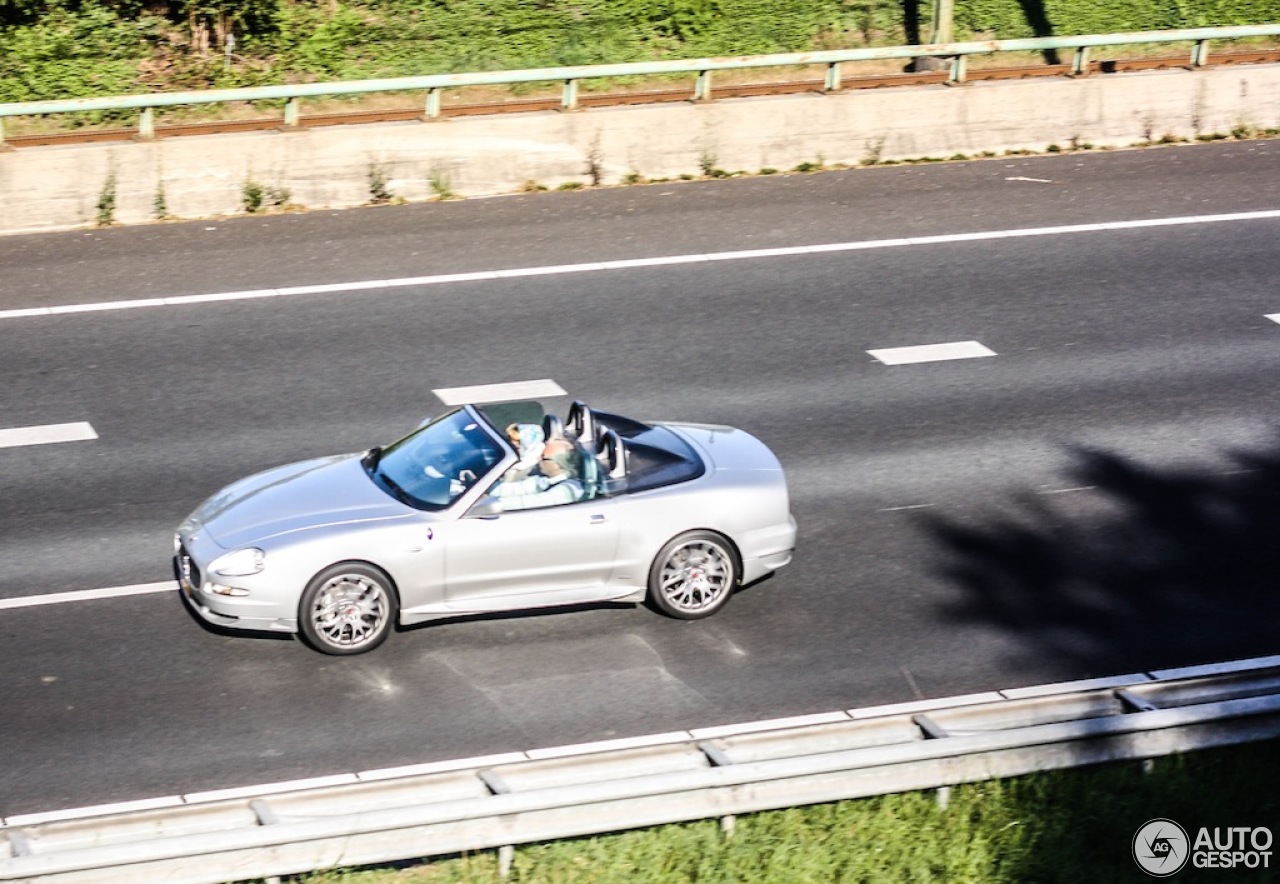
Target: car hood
(298,497)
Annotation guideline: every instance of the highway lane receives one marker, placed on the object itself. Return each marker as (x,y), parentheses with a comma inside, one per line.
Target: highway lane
(641,221)
(1151,345)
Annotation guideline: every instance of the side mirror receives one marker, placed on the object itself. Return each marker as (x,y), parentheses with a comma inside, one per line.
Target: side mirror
(486,508)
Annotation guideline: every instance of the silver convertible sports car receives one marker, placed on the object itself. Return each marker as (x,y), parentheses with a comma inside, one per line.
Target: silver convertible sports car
(489,507)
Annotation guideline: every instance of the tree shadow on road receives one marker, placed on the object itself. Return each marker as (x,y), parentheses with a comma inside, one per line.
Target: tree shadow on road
(1158,567)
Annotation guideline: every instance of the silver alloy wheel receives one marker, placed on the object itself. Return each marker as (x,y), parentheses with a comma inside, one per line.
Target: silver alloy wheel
(350,610)
(695,577)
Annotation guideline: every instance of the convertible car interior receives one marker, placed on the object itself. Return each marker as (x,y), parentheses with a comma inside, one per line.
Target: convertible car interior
(611,454)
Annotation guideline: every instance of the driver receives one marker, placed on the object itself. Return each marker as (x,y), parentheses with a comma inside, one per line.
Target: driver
(554,481)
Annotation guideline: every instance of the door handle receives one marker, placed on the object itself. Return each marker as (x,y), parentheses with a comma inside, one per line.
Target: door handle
(598,519)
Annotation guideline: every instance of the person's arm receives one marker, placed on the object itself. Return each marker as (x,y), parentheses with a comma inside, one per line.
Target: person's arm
(526,487)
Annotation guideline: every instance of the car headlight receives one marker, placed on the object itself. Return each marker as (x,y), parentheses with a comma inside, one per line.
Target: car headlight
(240,563)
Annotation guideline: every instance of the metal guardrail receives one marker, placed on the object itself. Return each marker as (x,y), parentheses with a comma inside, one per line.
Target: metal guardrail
(570,77)
(501,801)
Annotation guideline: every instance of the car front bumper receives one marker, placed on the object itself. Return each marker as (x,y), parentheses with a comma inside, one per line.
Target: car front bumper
(230,612)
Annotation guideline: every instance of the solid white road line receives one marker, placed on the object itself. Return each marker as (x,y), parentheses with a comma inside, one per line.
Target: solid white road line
(84,595)
(932,353)
(34,819)
(47,434)
(346,779)
(375,284)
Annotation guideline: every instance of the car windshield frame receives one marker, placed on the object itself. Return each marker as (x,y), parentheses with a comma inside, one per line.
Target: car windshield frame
(433,467)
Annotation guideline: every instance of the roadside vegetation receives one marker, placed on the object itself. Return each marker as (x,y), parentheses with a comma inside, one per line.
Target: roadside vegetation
(53,49)
(1072,825)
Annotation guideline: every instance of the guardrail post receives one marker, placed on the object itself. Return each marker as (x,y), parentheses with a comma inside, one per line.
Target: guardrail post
(1200,53)
(291,113)
(432,110)
(19,844)
(3,146)
(1080,66)
(147,123)
(702,88)
(569,97)
(958,65)
(266,816)
(506,859)
(833,77)
(930,728)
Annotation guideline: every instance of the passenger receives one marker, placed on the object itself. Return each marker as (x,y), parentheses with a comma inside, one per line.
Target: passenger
(554,482)
(528,441)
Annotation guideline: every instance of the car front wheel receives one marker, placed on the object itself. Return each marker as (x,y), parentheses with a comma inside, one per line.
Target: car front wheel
(693,576)
(347,609)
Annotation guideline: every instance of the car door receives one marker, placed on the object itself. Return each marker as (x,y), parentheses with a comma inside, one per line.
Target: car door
(553,555)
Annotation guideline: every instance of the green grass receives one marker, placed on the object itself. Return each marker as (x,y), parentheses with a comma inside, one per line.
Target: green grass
(1073,825)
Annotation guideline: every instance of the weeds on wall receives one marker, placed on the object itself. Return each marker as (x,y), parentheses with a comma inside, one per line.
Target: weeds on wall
(874,151)
(106,204)
(160,204)
(441,183)
(707,162)
(379,185)
(595,162)
(256,197)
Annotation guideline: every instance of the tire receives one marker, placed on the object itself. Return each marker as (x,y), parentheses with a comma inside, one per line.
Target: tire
(348,608)
(693,576)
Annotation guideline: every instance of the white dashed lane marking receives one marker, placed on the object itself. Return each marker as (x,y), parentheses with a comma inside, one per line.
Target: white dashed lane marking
(84,595)
(47,434)
(505,392)
(932,353)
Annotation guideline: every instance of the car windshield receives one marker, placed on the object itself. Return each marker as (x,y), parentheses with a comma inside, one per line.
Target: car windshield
(433,467)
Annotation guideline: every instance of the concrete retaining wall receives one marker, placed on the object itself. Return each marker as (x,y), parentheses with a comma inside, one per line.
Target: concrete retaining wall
(54,188)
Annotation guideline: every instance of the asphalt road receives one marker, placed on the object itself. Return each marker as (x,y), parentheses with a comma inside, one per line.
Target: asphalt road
(1098,497)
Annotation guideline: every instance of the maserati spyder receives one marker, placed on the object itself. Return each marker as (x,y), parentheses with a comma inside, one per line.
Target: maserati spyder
(489,507)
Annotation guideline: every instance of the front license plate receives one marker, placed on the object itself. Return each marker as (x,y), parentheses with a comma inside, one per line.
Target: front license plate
(184,576)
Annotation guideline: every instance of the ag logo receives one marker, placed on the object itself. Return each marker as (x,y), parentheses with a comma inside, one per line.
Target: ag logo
(1161,848)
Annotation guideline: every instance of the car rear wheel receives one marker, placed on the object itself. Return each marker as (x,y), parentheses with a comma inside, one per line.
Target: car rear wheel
(347,609)
(693,576)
